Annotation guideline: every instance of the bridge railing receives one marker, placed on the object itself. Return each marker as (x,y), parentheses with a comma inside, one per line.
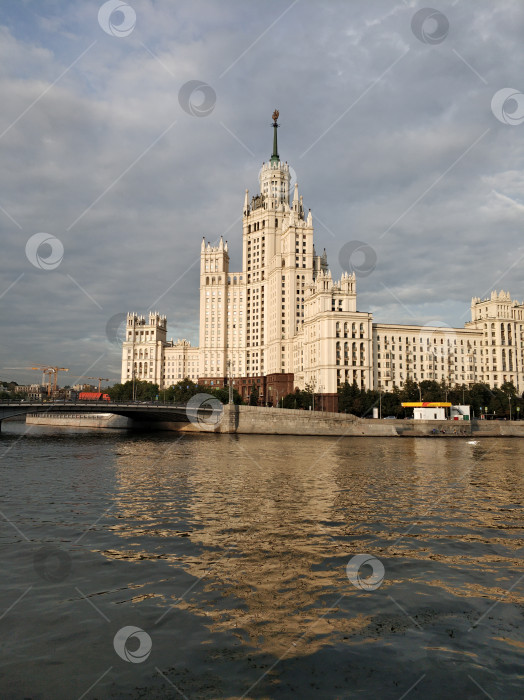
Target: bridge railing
(84,402)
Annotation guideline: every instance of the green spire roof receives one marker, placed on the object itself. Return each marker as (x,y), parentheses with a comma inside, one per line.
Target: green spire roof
(274,156)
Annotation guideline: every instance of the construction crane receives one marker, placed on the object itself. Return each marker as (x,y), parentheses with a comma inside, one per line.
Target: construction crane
(52,373)
(100,380)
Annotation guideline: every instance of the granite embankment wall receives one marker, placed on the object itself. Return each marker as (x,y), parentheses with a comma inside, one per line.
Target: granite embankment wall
(282,421)
(274,421)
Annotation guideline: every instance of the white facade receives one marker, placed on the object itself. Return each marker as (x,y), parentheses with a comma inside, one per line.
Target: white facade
(284,314)
(148,356)
(429,413)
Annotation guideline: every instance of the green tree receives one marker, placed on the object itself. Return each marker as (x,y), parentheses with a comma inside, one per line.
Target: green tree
(480,397)
(459,395)
(144,391)
(410,391)
(222,394)
(348,395)
(253,396)
(431,390)
(298,399)
(391,404)
(509,389)
(183,390)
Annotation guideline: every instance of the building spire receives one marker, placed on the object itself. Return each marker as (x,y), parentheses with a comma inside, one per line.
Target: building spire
(275,158)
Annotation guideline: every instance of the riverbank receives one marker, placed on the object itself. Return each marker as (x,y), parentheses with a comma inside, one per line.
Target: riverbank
(255,420)
(273,421)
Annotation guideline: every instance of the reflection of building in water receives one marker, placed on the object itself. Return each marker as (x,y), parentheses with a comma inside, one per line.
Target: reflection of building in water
(257,534)
(264,527)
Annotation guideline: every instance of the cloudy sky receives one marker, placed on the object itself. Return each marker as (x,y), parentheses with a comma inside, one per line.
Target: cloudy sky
(399,122)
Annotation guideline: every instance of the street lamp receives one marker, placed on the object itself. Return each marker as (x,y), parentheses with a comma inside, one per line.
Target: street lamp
(230,387)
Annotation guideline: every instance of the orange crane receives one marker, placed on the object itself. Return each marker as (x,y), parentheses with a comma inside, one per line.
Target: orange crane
(52,373)
(100,379)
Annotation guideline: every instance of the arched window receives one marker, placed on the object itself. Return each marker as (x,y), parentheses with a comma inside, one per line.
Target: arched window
(346,354)
(353,330)
(338,329)
(345,330)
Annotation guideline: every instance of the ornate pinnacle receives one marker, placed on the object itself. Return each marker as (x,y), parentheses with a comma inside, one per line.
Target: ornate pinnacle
(274,156)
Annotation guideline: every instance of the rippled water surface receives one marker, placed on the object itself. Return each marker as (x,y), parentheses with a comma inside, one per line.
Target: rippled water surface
(230,554)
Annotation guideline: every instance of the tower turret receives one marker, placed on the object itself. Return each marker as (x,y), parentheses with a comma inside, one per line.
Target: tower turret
(274,177)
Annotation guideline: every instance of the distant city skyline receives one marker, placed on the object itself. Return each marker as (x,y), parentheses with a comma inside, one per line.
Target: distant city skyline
(126,137)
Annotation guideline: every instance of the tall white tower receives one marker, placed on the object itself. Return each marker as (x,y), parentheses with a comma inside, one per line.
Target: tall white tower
(214,272)
(278,260)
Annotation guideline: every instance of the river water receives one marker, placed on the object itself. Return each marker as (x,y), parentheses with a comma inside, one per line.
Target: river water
(215,566)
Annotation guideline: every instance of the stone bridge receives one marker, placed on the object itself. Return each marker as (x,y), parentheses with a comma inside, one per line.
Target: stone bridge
(138,411)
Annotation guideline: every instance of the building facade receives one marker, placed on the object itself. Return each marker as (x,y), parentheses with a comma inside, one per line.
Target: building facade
(282,322)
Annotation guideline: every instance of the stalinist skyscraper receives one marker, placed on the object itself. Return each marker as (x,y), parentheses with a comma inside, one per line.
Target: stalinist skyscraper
(282,322)
(257,318)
